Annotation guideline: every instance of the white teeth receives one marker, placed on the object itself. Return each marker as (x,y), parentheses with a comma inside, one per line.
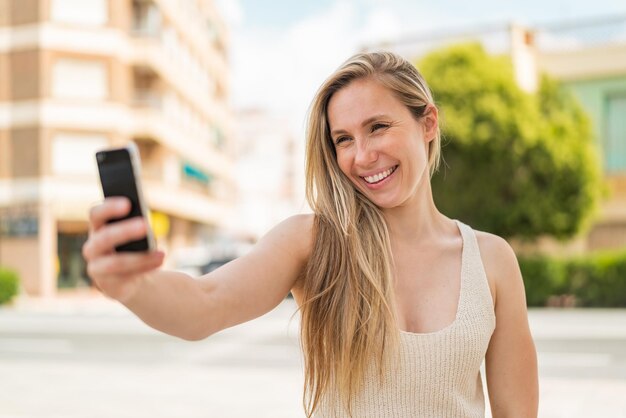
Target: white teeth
(378,177)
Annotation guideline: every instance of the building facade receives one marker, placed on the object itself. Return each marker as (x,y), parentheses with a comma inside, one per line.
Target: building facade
(80,76)
(268,164)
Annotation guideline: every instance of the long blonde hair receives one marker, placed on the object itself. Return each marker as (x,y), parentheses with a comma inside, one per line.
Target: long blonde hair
(348,313)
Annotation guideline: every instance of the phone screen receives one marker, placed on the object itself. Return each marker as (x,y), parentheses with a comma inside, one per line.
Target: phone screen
(118,179)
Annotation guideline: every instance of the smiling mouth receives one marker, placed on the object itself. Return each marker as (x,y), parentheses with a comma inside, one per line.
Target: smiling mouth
(377,178)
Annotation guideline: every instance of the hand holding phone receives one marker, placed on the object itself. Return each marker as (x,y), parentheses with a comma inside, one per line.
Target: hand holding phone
(120,251)
(119,171)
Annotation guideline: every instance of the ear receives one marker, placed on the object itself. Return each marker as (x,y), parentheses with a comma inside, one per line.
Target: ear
(430,122)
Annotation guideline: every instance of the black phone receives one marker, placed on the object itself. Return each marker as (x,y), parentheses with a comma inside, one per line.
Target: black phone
(119,170)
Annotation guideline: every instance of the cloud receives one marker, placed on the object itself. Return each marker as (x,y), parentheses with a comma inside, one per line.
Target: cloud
(231,11)
(381,24)
(281,70)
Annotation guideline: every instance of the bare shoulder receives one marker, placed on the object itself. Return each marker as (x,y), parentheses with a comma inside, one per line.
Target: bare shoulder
(295,233)
(499,260)
(299,222)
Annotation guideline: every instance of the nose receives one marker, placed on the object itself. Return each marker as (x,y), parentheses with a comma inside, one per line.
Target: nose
(366,154)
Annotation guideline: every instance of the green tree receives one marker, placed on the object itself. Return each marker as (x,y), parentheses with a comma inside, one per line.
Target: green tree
(516,164)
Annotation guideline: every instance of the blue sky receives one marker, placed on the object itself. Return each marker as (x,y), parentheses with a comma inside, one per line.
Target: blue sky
(282,50)
(282,13)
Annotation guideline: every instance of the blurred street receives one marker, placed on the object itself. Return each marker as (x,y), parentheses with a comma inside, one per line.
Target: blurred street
(215,96)
(91,358)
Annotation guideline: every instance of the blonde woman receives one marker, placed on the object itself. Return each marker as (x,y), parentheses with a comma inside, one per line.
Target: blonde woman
(400,305)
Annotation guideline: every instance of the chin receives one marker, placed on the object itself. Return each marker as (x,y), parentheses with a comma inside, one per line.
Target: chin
(384,203)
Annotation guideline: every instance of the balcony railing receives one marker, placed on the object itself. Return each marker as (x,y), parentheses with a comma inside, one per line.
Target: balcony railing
(148,98)
(579,34)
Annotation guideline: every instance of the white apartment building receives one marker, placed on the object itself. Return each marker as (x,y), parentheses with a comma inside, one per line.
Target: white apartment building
(77,76)
(269,163)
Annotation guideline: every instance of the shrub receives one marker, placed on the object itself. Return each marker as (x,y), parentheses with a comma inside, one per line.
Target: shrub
(596,280)
(543,277)
(599,280)
(9,285)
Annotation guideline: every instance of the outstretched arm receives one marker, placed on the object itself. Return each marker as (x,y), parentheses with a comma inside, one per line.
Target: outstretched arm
(194,308)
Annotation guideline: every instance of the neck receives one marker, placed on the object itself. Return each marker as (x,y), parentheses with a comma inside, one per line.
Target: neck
(417,220)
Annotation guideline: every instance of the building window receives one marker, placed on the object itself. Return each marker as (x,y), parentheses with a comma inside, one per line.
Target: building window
(146,18)
(79,79)
(82,12)
(72,271)
(615,138)
(75,153)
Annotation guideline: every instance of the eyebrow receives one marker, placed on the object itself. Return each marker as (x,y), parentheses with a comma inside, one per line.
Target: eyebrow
(364,123)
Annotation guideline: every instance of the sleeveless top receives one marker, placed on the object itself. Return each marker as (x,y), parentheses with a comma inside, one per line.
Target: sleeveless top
(435,374)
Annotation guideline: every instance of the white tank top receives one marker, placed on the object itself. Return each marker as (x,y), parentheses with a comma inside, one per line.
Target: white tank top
(437,374)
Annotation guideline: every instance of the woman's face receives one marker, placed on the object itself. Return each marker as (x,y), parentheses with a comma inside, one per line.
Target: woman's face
(380,146)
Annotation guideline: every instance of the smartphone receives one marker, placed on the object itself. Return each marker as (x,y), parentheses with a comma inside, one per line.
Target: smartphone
(119,170)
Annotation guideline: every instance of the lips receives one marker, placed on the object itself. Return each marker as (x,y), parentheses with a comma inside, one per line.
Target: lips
(378,177)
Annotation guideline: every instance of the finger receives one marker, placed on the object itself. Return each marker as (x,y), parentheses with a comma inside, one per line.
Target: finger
(111,208)
(125,264)
(104,240)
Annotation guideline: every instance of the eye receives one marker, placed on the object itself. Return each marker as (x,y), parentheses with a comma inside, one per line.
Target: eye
(341,139)
(378,125)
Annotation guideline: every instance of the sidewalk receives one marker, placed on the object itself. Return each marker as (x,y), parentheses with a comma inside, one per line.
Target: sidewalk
(581,355)
(572,323)
(88,302)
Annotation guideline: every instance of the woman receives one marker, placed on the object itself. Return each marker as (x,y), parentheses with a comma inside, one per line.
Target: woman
(399,303)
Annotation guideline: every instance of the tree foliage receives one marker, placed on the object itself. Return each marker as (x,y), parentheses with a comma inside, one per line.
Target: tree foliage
(516,164)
